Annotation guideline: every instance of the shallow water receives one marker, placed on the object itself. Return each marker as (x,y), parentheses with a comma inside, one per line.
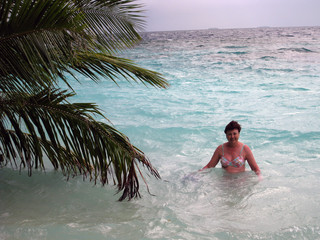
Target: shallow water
(265,78)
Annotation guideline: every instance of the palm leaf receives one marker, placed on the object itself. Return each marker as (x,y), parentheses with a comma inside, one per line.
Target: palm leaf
(97,64)
(39,49)
(46,125)
(41,41)
(115,22)
(36,39)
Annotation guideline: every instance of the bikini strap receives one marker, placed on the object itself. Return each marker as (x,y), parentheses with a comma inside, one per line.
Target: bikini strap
(222,150)
(242,149)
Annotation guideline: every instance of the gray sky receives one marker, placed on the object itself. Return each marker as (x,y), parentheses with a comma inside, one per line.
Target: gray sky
(162,15)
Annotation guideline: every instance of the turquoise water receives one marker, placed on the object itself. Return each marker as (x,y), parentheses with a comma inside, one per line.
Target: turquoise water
(265,78)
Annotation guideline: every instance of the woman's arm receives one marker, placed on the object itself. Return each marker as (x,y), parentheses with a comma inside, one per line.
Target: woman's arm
(252,162)
(214,159)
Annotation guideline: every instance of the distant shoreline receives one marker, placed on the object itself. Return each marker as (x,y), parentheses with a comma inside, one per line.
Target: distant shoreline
(217,28)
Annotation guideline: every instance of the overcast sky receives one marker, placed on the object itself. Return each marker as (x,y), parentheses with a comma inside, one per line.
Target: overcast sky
(163,15)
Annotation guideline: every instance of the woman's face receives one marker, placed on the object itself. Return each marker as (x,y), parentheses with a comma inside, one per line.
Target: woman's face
(233,135)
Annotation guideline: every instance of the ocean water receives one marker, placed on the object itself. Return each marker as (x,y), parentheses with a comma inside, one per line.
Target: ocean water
(265,78)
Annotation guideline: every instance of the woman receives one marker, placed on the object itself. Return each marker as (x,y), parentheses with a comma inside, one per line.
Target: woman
(233,153)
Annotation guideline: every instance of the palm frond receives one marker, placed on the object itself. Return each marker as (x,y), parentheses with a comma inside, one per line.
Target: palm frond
(40,42)
(46,125)
(39,49)
(36,39)
(115,22)
(97,64)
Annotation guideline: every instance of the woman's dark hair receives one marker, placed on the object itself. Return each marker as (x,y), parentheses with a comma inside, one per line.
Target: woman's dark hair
(232,125)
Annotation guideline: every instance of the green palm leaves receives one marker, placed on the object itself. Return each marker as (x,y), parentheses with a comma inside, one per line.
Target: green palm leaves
(42,41)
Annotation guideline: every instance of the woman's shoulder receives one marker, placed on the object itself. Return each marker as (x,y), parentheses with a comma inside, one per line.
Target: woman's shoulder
(223,146)
(246,148)
(219,149)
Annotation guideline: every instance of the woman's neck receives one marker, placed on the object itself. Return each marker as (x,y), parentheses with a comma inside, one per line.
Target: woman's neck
(233,145)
